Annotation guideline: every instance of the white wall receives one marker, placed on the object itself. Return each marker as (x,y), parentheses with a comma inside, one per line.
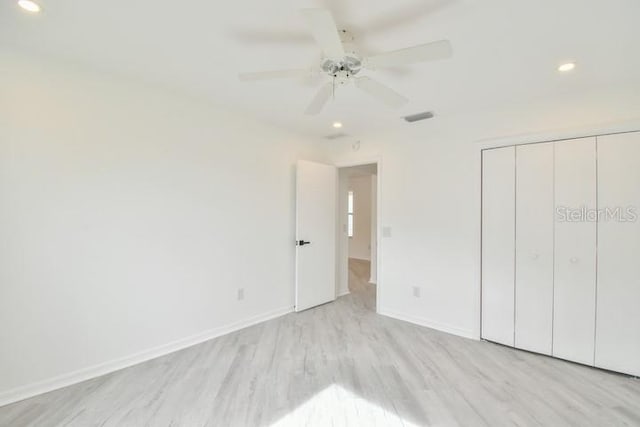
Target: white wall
(430,198)
(129,218)
(360,242)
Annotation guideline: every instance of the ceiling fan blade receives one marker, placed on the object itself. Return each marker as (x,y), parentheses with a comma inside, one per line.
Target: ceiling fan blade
(276,74)
(325,32)
(339,8)
(381,92)
(320,100)
(425,52)
(268,36)
(400,15)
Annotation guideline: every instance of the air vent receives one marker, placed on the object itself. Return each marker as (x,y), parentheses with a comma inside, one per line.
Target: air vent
(336,136)
(417,117)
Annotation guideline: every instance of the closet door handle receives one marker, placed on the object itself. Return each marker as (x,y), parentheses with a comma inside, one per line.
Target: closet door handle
(574,260)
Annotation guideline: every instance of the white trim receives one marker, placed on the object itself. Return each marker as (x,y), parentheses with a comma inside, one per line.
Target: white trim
(427,323)
(64,380)
(343,293)
(560,134)
(359,162)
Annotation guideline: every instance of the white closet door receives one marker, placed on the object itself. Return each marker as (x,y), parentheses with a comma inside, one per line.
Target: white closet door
(618,304)
(575,251)
(498,244)
(534,248)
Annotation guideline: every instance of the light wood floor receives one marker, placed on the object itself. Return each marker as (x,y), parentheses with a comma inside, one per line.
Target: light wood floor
(359,274)
(342,365)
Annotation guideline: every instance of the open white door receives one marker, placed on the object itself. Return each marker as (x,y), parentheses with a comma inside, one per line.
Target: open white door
(316,186)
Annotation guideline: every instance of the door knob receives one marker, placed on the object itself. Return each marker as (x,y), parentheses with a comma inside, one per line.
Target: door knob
(302,243)
(574,260)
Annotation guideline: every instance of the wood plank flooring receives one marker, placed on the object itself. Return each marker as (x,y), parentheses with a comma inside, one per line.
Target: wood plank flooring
(341,365)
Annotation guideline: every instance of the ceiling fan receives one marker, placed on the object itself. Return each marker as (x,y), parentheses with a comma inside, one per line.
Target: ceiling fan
(342,63)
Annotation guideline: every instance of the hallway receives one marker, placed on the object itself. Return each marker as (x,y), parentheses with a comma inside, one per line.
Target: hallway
(359,286)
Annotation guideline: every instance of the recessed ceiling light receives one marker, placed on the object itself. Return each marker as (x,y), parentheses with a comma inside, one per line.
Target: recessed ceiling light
(567,67)
(29,5)
(337,125)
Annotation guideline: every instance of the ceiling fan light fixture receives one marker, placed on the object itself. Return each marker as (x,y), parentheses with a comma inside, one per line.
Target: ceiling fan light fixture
(29,6)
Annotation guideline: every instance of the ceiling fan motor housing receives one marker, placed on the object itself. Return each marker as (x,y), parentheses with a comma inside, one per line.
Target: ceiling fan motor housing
(342,70)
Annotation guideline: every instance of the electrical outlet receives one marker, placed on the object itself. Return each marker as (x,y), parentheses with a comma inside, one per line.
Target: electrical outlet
(386,231)
(240,294)
(416,291)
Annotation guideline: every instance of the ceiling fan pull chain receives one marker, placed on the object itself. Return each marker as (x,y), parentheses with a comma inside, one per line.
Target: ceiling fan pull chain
(333,94)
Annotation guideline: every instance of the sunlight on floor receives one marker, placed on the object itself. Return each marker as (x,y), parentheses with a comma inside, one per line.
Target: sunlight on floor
(335,406)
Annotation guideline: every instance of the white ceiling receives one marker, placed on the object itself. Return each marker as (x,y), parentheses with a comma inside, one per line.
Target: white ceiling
(505,51)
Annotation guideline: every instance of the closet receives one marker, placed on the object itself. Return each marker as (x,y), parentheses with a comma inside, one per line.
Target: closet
(561,247)
(534,248)
(618,277)
(498,239)
(575,251)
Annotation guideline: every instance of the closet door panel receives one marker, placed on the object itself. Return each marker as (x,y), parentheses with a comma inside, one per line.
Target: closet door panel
(534,247)
(498,244)
(618,296)
(575,251)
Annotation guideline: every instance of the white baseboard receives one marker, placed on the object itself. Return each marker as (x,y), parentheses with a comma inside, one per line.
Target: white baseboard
(343,293)
(454,330)
(64,380)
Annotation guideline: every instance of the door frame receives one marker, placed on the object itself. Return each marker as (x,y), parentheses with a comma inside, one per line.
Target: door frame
(361,162)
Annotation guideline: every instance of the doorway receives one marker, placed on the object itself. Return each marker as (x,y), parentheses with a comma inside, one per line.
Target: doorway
(358,233)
